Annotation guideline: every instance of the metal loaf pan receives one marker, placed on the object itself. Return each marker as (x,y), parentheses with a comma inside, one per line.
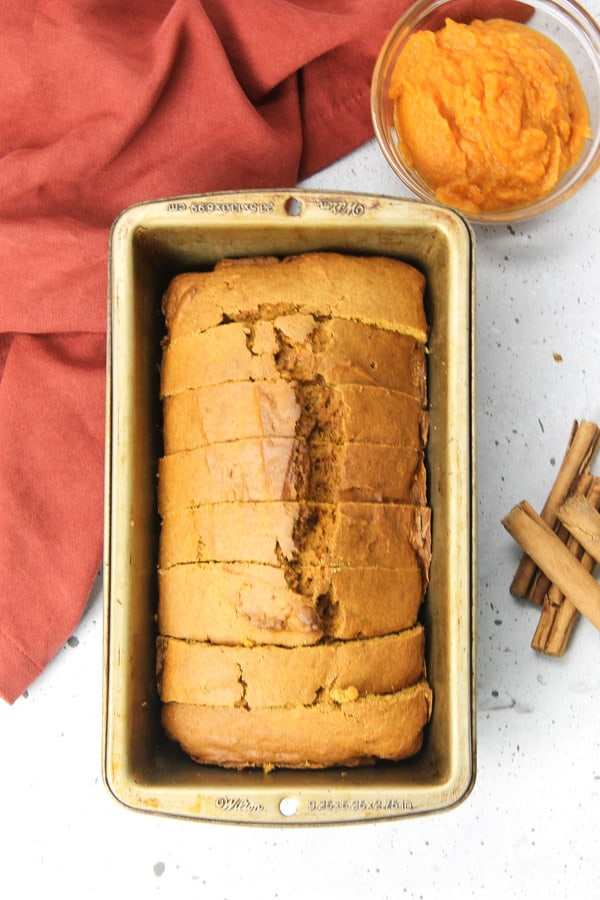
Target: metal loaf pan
(152,242)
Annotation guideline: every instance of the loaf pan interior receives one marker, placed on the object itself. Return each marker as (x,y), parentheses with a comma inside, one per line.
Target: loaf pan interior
(152,242)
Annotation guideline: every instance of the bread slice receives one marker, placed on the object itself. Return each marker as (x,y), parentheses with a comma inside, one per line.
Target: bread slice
(237,603)
(213,357)
(296,347)
(338,473)
(351,733)
(207,674)
(376,290)
(269,469)
(230,411)
(316,410)
(253,469)
(391,535)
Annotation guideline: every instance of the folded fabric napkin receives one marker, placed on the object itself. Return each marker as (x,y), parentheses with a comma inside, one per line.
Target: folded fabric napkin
(107,103)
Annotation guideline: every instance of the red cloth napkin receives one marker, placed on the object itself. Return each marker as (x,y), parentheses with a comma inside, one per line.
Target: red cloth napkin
(106,103)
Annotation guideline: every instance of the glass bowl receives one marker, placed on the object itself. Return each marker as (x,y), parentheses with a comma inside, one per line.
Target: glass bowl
(563,21)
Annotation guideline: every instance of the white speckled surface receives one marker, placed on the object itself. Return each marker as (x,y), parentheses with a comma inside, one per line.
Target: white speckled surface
(530,827)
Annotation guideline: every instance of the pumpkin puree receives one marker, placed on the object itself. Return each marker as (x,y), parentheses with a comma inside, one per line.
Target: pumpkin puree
(490,114)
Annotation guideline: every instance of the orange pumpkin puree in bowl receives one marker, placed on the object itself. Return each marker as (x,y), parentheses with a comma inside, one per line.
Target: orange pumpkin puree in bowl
(490,114)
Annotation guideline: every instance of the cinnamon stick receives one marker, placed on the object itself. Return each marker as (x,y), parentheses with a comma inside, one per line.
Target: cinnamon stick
(582,520)
(551,556)
(558,615)
(554,628)
(541,586)
(582,446)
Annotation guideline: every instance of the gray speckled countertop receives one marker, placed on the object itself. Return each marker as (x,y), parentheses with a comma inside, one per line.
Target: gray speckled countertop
(530,826)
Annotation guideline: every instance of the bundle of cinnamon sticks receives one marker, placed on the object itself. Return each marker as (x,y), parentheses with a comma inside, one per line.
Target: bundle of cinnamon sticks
(562,546)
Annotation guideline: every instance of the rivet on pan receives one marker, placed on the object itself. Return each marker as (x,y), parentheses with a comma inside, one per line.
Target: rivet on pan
(288,806)
(293,206)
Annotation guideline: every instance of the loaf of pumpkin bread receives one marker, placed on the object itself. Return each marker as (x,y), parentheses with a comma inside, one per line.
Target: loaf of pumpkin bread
(295,536)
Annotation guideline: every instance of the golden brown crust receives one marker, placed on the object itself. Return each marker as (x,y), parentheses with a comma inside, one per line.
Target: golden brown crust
(376,290)
(356,732)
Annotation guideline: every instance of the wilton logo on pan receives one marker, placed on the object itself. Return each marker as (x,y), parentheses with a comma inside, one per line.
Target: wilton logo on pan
(340,207)
(239,804)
